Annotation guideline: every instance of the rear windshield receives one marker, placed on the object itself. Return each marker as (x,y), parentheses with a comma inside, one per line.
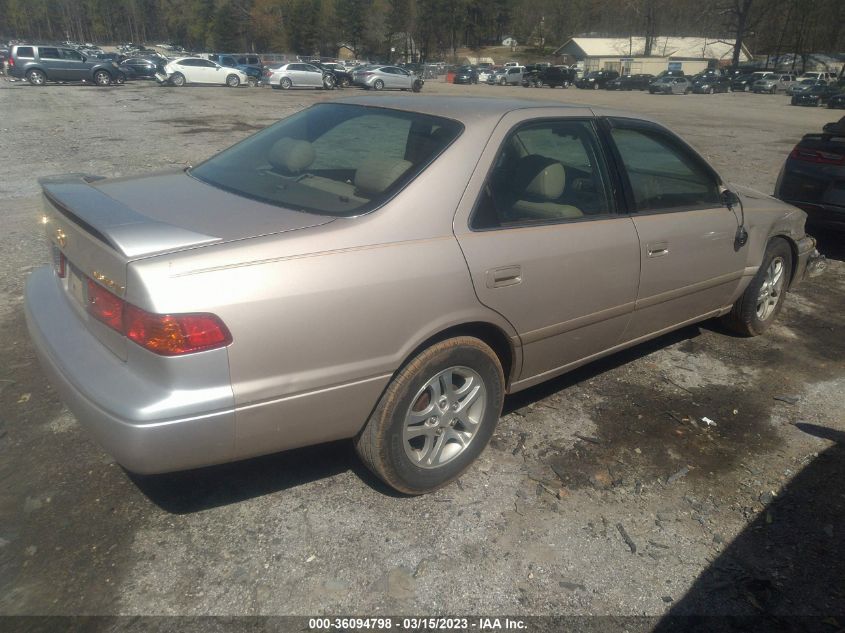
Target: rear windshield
(334,159)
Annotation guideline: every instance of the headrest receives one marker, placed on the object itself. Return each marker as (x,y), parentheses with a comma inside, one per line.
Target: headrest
(290,154)
(546,178)
(376,174)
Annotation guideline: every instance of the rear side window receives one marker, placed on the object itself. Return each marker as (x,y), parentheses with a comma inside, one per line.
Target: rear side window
(26,51)
(545,172)
(664,175)
(334,159)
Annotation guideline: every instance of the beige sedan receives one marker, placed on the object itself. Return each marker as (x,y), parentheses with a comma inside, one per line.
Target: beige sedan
(386,271)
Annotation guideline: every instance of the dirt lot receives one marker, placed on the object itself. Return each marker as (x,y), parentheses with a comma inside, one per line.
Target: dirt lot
(602,492)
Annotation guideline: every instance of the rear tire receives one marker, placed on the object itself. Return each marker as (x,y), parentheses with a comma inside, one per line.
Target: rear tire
(378,84)
(36,77)
(436,416)
(285,83)
(758,307)
(178,80)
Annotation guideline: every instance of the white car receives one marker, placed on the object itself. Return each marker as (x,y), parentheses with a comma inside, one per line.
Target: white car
(484,75)
(193,70)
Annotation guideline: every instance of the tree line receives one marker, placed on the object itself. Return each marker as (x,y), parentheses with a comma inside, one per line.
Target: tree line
(436,28)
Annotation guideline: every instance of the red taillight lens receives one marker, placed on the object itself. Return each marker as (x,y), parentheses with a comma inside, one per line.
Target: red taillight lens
(164,334)
(175,334)
(104,306)
(817,156)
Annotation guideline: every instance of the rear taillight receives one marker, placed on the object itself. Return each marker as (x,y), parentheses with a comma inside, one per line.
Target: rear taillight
(59,263)
(163,334)
(817,156)
(11,61)
(105,306)
(174,334)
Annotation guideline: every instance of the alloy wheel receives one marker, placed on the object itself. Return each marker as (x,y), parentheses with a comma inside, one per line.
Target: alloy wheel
(771,289)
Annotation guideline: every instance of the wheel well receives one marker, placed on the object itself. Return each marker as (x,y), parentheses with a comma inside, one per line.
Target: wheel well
(493,336)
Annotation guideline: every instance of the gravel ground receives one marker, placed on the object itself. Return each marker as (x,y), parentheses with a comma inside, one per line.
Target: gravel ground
(602,492)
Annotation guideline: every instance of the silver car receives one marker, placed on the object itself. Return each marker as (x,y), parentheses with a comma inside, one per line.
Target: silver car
(386,78)
(299,75)
(773,83)
(348,273)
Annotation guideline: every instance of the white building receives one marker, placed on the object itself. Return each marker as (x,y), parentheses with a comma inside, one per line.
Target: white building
(627,54)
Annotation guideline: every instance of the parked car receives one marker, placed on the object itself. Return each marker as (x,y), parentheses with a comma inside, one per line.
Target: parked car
(387,77)
(299,75)
(773,83)
(596,79)
(710,83)
(141,68)
(828,77)
(340,74)
(639,81)
(508,76)
(743,83)
(551,76)
(816,96)
(182,334)
(254,72)
(803,85)
(812,177)
(40,64)
(484,75)
(465,75)
(836,101)
(670,86)
(194,70)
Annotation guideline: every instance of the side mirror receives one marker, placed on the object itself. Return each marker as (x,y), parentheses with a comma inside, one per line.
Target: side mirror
(729,198)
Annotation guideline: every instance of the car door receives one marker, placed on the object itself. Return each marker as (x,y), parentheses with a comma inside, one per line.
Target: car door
(211,72)
(54,66)
(313,76)
(544,243)
(75,66)
(690,262)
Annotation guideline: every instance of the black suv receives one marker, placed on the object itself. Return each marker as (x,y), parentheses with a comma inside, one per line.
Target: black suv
(40,64)
(639,81)
(552,76)
(597,79)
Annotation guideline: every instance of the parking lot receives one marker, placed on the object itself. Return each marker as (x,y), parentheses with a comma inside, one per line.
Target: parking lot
(602,492)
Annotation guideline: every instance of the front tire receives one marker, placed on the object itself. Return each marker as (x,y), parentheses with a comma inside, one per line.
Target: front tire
(233,81)
(102,78)
(36,77)
(436,416)
(417,86)
(755,311)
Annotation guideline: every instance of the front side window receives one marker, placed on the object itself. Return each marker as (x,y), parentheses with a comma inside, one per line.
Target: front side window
(663,174)
(550,171)
(71,55)
(45,52)
(333,159)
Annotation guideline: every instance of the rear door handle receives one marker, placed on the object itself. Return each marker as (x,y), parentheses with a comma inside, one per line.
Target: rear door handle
(657,249)
(505,276)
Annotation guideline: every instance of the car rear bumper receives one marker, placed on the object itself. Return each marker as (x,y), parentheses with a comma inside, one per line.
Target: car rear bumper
(146,427)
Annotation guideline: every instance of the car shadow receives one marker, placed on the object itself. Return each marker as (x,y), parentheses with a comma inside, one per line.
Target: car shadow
(784,571)
(214,486)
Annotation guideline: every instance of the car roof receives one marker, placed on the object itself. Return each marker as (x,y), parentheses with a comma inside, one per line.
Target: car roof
(471,109)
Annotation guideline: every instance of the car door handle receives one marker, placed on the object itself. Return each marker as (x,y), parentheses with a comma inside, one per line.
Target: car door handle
(505,276)
(658,249)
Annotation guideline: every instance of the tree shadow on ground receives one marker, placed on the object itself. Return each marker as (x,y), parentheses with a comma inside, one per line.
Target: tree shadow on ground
(784,572)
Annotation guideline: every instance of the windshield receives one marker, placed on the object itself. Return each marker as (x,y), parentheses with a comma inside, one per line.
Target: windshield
(333,159)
